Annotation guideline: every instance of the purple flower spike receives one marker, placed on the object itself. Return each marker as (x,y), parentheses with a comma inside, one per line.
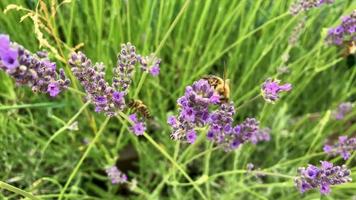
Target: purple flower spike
(104,97)
(271,89)
(193,111)
(200,108)
(344,147)
(34,70)
(115,175)
(345,32)
(123,72)
(305,5)
(342,110)
(322,178)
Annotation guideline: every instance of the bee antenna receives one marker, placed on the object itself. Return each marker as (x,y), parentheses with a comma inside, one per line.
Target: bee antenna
(224,75)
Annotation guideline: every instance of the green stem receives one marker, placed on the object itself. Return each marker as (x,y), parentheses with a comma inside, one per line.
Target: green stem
(128,20)
(65,127)
(91,145)
(199,155)
(253,172)
(140,84)
(35,105)
(56,134)
(174,23)
(206,169)
(165,154)
(247,102)
(17,190)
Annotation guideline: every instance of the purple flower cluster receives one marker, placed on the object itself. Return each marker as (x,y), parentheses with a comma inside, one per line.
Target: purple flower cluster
(342,110)
(92,77)
(314,177)
(346,31)
(115,175)
(150,64)
(247,131)
(138,127)
(305,5)
(33,70)
(124,69)
(197,110)
(271,89)
(344,148)
(193,111)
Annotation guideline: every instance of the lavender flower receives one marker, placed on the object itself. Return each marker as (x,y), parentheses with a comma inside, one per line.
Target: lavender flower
(198,109)
(305,5)
(105,98)
(193,111)
(116,176)
(322,178)
(344,147)
(346,31)
(263,134)
(33,70)
(221,129)
(250,166)
(297,31)
(124,69)
(138,127)
(230,138)
(150,64)
(343,110)
(271,89)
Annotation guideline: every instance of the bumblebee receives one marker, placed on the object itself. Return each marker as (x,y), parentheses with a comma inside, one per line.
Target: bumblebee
(221,87)
(138,106)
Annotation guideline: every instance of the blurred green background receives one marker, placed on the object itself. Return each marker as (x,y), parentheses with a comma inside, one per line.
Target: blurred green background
(193,38)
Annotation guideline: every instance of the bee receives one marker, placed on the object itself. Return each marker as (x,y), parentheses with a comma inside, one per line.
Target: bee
(138,106)
(351,48)
(221,87)
(177,135)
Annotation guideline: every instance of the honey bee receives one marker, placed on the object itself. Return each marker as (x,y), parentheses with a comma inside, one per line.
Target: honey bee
(221,87)
(138,106)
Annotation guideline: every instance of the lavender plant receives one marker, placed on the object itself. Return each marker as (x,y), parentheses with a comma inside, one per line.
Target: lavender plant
(109,99)
(271,89)
(115,175)
(92,77)
(305,5)
(194,39)
(345,146)
(198,109)
(33,70)
(344,32)
(150,64)
(342,110)
(124,69)
(313,177)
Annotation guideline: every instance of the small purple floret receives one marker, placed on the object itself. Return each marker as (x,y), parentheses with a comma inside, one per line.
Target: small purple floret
(115,175)
(271,89)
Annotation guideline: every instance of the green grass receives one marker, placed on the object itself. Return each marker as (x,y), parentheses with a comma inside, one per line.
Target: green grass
(40,155)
